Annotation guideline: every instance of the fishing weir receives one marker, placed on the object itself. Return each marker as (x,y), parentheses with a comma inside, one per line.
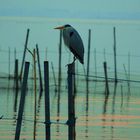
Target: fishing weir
(40,87)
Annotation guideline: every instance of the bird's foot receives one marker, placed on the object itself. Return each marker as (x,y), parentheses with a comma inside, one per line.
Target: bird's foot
(70,64)
(74,59)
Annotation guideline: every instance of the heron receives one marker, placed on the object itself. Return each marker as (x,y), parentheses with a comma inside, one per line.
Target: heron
(73,41)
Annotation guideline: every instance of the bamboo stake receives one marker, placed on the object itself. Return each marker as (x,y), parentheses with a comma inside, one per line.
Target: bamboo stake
(129,71)
(16,74)
(39,68)
(9,61)
(24,53)
(22,101)
(60,56)
(115,60)
(88,59)
(59,75)
(71,102)
(47,100)
(35,98)
(95,63)
(54,77)
(106,78)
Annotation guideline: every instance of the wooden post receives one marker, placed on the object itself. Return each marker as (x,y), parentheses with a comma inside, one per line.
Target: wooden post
(60,56)
(39,68)
(106,78)
(115,60)
(9,58)
(47,100)
(15,54)
(88,59)
(129,70)
(59,75)
(22,101)
(121,96)
(71,104)
(35,98)
(54,76)
(104,54)
(95,63)
(24,53)
(127,78)
(16,74)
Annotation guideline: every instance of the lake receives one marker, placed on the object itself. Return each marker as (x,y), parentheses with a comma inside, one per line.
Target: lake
(99,117)
(14,30)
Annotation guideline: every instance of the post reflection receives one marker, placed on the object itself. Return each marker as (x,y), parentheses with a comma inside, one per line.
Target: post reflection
(87,111)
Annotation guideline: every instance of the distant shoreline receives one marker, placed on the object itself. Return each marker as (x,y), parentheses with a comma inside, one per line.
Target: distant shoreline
(82,20)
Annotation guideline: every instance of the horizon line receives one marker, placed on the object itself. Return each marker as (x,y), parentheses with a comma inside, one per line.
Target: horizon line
(82,20)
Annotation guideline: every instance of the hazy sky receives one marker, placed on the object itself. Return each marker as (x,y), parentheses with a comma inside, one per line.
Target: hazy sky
(118,9)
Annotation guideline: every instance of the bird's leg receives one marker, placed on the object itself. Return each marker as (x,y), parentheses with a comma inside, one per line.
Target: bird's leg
(74,58)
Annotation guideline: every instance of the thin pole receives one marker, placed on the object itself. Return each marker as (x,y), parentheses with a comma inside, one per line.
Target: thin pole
(35,99)
(54,76)
(16,74)
(115,60)
(129,68)
(88,59)
(71,103)
(15,54)
(106,78)
(39,68)
(104,55)
(24,53)
(60,57)
(121,96)
(95,62)
(59,75)
(127,78)
(47,100)
(9,61)
(22,101)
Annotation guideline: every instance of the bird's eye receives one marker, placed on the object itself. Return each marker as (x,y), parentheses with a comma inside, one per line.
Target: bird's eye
(71,33)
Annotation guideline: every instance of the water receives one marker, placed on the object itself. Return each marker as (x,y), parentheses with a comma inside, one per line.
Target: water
(42,32)
(116,117)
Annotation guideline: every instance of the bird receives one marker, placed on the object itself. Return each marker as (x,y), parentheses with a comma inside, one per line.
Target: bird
(73,41)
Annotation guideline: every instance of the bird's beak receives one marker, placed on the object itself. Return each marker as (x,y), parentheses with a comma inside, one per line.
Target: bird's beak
(60,27)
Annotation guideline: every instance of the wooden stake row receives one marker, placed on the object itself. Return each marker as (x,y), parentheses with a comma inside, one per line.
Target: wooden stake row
(71,103)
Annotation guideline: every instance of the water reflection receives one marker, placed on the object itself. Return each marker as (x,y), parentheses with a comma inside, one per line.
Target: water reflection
(15,101)
(100,116)
(15,107)
(121,96)
(113,110)
(108,120)
(87,110)
(114,98)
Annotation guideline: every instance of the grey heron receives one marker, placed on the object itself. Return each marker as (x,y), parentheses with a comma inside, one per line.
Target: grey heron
(73,41)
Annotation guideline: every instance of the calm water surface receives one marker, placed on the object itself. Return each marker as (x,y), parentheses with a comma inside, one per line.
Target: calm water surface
(116,117)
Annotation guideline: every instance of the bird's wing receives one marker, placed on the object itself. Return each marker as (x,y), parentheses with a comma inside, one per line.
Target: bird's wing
(76,45)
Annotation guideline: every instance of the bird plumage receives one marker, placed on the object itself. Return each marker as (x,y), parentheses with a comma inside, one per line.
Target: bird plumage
(73,41)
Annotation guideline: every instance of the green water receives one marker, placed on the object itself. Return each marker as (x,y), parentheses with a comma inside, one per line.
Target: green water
(116,117)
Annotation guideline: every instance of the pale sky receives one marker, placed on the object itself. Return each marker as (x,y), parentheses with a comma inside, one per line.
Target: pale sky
(114,9)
